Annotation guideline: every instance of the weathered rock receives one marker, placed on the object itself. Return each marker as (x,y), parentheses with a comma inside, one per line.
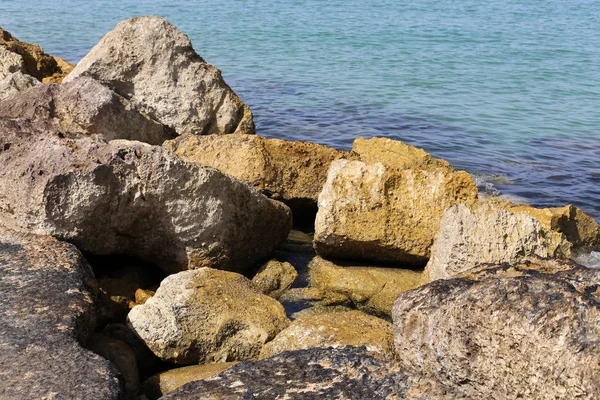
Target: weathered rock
(132,198)
(12,78)
(164,382)
(294,172)
(337,329)
(119,353)
(524,267)
(494,233)
(274,278)
(35,62)
(345,373)
(370,289)
(46,309)
(318,310)
(152,64)
(205,316)
(142,295)
(378,213)
(534,336)
(83,107)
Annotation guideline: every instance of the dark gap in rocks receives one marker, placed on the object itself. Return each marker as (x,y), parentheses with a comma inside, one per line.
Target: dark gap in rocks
(420,267)
(304,213)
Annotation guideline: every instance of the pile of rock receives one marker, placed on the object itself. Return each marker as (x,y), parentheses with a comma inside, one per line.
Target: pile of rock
(147,162)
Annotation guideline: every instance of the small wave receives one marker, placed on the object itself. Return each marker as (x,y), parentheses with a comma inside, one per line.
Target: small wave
(590,260)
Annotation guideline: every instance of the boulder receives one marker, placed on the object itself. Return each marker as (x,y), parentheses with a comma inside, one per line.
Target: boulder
(152,64)
(164,382)
(12,78)
(274,278)
(205,316)
(344,373)
(131,198)
(47,292)
(492,232)
(378,213)
(533,336)
(83,107)
(370,289)
(293,172)
(336,329)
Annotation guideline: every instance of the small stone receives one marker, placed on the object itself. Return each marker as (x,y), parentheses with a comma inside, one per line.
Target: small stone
(274,278)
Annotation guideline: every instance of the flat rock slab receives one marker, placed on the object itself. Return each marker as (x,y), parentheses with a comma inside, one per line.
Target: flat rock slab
(46,310)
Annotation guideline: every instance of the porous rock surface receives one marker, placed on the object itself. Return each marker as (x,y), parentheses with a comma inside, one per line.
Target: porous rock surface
(336,329)
(152,64)
(379,213)
(83,107)
(12,78)
(207,315)
(294,172)
(533,336)
(274,278)
(46,310)
(126,197)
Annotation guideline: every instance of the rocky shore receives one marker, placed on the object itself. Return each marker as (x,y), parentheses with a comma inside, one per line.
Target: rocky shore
(154,245)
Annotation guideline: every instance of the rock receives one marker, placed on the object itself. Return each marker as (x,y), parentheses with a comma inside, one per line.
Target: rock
(337,329)
(152,64)
(377,213)
(318,310)
(47,291)
(524,267)
(35,62)
(370,289)
(134,199)
(142,296)
(344,373)
(121,356)
(164,382)
(83,107)
(205,316)
(533,336)
(12,78)
(495,233)
(274,278)
(293,172)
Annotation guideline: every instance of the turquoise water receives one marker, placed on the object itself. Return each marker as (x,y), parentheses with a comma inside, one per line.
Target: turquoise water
(508,90)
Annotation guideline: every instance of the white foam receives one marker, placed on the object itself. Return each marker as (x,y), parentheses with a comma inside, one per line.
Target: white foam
(590,260)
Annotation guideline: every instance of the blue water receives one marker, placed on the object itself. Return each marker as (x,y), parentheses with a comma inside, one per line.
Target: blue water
(506,89)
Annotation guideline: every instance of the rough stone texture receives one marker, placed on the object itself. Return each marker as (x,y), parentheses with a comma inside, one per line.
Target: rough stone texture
(528,337)
(164,382)
(294,172)
(337,329)
(376,213)
(142,296)
(524,267)
(274,278)
(46,309)
(12,78)
(83,107)
(132,198)
(36,62)
(491,233)
(148,61)
(345,373)
(205,316)
(370,289)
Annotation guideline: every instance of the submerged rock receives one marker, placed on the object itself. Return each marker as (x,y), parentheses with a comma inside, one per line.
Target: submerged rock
(205,316)
(152,64)
(336,329)
(294,172)
(47,291)
(275,277)
(131,198)
(83,107)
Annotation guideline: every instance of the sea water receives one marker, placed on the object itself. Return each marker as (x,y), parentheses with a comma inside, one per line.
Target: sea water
(507,89)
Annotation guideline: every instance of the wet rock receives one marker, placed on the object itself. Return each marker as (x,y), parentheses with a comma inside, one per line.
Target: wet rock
(318,310)
(344,373)
(525,267)
(337,329)
(164,382)
(152,64)
(370,289)
(533,336)
(205,316)
(377,213)
(274,278)
(131,198)
(83,107)
(293,172)
(47,291)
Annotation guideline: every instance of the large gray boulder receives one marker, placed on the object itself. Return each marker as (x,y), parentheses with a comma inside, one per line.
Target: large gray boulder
(125,197)
(46,310)
(151,63)
(83,107)
(12,78)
